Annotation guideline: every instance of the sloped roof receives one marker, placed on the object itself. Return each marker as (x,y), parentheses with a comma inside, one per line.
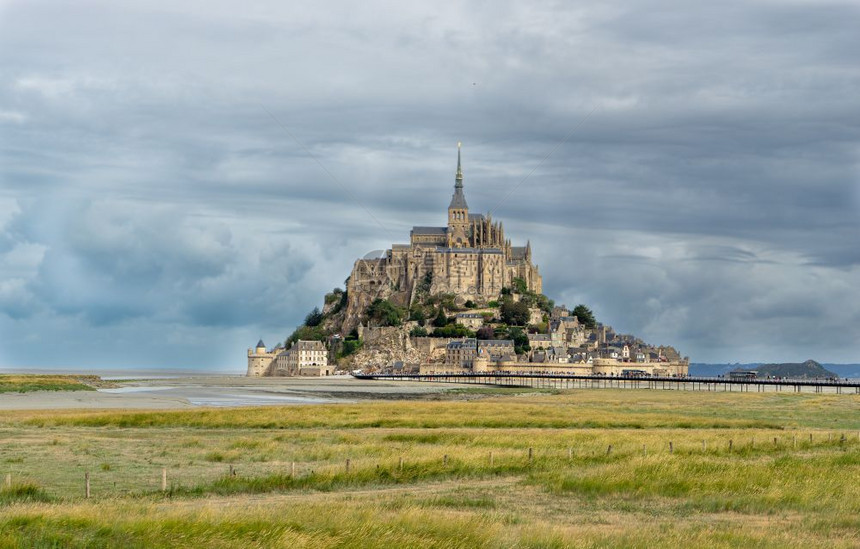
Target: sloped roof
(518,252)
(429,230)
(458,201)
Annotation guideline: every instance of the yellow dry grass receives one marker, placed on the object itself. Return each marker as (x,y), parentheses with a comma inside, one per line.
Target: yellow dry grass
(721,470)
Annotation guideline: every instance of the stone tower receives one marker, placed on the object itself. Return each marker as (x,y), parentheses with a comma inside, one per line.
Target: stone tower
(458,212)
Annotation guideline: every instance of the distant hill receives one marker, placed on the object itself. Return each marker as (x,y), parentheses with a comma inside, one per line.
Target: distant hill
(808,369)
(701,369)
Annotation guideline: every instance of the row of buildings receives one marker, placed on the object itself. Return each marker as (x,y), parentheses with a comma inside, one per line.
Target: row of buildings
(568,347)
(304,358)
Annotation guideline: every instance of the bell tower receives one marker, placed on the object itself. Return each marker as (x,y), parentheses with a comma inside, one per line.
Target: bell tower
(458,212)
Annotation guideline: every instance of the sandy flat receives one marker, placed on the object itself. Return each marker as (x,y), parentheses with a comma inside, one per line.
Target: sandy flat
(221,391)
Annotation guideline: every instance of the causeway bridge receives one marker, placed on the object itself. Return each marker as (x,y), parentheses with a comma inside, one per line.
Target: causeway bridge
(566,381)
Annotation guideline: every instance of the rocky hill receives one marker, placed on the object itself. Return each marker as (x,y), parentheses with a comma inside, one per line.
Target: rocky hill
(803,370)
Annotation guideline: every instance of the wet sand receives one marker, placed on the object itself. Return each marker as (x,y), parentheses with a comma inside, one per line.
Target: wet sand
(223,391)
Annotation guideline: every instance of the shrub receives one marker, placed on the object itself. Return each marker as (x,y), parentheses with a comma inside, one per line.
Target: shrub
(520,286)
(23,492)
(453,330)
(350,345)
(334,295)
(418,331)
(485,332)
(384,313)
(417,314)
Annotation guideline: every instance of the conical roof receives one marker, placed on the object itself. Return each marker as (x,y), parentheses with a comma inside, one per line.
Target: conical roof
(458,201)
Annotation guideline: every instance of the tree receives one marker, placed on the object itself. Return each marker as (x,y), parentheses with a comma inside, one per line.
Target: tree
(314,318)
(306,333)
(417,314)
(521,340)
(384,313)
(544,303)
(585,316)
(485,332)
(517,314)
(441,319)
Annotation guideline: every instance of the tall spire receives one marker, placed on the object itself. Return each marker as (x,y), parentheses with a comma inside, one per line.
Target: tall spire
(458,201)
(459,179)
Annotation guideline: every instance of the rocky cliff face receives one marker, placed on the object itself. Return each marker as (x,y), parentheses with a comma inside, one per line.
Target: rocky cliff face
(386,346)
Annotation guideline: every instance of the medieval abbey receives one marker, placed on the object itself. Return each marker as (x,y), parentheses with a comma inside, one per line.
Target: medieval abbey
(485,298)
(470,258)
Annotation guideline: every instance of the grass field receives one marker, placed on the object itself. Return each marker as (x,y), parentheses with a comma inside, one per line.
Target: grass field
(599,468)
(12,383)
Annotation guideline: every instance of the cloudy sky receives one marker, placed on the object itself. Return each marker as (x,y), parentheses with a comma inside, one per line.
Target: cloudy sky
(178,179)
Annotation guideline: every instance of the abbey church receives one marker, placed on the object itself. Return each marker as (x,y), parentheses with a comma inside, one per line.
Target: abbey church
(470,258)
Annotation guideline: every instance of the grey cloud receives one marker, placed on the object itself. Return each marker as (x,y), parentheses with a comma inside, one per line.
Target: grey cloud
(710,198)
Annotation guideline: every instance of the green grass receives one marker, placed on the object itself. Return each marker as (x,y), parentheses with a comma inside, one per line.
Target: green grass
(574,409)
(14,383)
(742,471)
(22,493)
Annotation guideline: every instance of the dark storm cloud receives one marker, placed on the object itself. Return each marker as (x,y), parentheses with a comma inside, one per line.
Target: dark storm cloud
(201,174)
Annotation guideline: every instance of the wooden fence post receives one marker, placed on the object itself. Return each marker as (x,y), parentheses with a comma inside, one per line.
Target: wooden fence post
(347,465)
(87,485)
(644,450)
(569,452)
(445,460)
(293,469)
(530,454)
(492,460)
(164,479)
(609,450)
(731,443)
(400,465)
(671,448)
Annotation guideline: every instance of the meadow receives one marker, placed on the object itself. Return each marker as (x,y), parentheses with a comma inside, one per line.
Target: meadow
(12,383)
(580,468)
